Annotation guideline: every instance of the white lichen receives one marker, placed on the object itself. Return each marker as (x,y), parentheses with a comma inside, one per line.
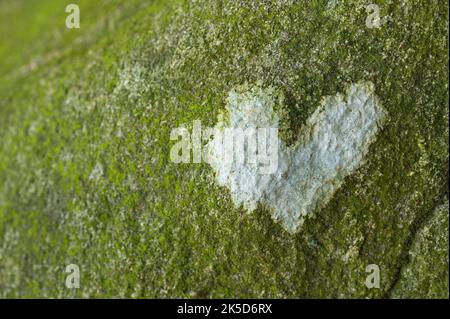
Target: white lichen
(332,144)
(97,172)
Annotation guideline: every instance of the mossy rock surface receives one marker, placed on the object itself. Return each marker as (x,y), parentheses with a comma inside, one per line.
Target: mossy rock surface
(85,173)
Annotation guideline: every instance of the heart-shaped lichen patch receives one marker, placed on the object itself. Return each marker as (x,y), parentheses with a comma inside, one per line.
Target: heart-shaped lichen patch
(332,144)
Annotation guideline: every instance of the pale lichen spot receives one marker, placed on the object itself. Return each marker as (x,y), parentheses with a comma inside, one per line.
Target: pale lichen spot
(331,145)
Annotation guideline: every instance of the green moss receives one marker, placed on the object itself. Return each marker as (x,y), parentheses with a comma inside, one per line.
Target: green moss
(109,94)
(426,274)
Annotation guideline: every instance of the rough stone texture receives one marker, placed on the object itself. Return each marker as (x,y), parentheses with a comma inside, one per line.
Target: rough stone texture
(101,101)
(426,273)
(331,146)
